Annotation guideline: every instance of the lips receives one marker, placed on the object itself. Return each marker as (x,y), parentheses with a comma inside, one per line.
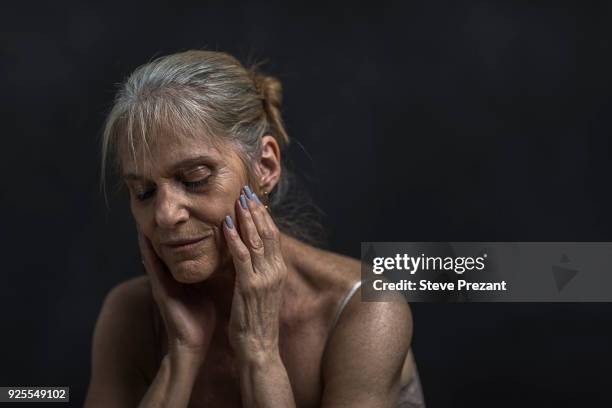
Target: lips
(182,242)
(185,243)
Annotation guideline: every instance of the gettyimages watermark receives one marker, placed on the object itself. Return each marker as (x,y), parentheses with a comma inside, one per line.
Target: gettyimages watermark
(487,271)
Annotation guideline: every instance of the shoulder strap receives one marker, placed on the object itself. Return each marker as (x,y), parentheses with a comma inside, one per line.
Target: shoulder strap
(345,301)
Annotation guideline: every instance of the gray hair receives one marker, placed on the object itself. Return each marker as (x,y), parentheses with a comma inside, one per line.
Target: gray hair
(212,91)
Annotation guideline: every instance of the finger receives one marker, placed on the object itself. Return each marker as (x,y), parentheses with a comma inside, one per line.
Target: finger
(148,263)
(161,282)
(241,257)
(266,228)
(248,231)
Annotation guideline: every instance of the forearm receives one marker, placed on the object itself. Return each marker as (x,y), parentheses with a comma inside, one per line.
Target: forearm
(264,383)
(173,383)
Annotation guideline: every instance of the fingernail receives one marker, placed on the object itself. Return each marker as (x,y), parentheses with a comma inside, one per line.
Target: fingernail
(256,199)
(248,192)
(243,201)
(228,222)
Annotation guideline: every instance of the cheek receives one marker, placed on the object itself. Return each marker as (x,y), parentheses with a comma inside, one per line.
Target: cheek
(213,208)
(209,213)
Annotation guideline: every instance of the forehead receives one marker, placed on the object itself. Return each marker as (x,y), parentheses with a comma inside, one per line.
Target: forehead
(168,150)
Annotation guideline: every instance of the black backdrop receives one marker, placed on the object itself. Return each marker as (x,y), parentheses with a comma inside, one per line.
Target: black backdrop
(419,120)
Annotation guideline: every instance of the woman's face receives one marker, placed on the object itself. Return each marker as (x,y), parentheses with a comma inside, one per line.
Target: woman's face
(179,201)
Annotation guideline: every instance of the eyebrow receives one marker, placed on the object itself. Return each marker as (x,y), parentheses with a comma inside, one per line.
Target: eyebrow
(181,165)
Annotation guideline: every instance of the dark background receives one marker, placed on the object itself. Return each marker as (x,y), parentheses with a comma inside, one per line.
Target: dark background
(420,121)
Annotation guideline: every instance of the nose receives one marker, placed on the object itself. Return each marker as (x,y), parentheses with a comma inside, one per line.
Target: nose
(169,207)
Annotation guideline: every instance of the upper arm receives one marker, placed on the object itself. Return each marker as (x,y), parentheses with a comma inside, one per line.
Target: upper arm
(119,348)
(365,355)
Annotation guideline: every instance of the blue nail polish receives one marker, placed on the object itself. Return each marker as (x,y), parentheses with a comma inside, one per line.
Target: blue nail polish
(243,201)
(228,222)
(248,192)
(256,199)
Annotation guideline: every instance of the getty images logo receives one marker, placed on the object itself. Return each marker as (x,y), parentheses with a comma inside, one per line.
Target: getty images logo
(412,264)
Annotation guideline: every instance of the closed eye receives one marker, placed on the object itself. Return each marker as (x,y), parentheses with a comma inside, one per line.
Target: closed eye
(195,185)
(144,194)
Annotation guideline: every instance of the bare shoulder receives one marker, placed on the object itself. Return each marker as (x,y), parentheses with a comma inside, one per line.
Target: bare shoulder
(135,291)
(335,274)
(387,323)
(132,306)
(122,346)
(379,333)
(367,358)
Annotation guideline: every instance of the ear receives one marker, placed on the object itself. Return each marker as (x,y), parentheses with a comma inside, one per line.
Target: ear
(269,165)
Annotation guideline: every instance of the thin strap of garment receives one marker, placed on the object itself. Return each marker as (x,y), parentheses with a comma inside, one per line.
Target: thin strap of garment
(345,301)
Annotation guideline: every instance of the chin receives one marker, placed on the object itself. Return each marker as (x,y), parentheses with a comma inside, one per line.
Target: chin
(190,272)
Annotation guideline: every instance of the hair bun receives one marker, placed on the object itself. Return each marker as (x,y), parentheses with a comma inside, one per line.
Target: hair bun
(271,91)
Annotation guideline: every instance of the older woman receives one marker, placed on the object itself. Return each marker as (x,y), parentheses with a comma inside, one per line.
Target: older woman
(235,309)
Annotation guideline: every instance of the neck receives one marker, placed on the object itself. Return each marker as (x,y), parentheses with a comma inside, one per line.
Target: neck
(219,288)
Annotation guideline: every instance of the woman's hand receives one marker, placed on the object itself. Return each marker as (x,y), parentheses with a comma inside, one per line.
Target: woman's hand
(188,316)
(260,277)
